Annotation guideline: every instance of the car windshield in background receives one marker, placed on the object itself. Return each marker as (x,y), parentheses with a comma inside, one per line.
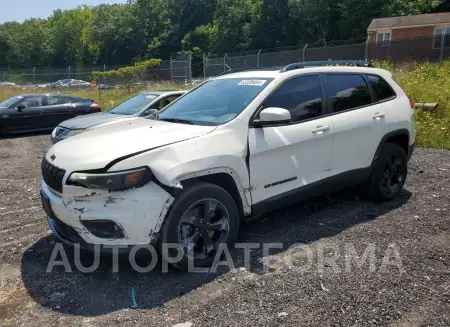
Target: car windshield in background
(216,102)
(133,105)
(10,102)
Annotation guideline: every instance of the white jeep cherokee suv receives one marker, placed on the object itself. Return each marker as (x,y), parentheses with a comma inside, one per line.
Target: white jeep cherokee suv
(234,147)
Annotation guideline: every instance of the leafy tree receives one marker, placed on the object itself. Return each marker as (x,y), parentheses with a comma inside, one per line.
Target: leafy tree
(237,22)
(113,28)
(201,40)
(274,24)
(142,29)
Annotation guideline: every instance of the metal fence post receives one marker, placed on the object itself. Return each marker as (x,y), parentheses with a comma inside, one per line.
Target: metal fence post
(69,72)
(304,52)
(104,67)
(366,55)
(190,67)
(442,48)
(34,75)
(257,62)
(170,68)
(204,66)
(225,62)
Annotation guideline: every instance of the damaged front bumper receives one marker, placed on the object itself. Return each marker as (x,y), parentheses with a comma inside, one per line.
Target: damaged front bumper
(109,219)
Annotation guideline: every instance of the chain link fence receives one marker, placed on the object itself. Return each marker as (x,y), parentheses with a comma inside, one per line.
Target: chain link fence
(432,49)
(177,69)
(183,68)
(397,51)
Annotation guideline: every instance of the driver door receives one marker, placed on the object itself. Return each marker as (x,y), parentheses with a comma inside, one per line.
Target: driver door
(28,118)
(287,159)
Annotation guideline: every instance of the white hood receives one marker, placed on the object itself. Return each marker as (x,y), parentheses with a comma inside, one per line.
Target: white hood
(98,147)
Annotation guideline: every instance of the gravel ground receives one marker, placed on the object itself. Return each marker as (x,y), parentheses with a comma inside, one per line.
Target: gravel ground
(405,280)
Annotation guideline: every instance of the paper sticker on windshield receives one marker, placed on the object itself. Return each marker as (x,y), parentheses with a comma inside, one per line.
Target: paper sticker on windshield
(253,82)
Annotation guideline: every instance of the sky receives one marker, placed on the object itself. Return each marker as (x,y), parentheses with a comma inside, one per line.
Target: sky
(19,10)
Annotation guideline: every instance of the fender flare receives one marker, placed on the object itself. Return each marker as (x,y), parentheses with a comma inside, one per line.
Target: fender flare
(398,132)
(242,190)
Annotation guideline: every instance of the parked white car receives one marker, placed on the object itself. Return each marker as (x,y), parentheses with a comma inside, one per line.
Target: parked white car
(235,147)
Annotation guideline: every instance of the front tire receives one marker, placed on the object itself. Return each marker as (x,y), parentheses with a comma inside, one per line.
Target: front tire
(202,218)
(388,173)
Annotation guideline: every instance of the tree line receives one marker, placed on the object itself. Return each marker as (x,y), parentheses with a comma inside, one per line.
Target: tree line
(142,29)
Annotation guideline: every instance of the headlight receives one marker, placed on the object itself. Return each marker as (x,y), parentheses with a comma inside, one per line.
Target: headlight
(116,181)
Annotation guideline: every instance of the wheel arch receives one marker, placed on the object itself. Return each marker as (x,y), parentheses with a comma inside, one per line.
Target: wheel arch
(225,178)
(400,137)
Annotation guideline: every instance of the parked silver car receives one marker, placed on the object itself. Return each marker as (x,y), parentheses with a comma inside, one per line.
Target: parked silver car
(70,83)
(141,105)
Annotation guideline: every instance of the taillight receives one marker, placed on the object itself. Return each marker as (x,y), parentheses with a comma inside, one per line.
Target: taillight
(411,102)
(95,107)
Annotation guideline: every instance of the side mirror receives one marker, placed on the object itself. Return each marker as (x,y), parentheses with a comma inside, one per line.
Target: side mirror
(273,116)
(20,107)
(151,113)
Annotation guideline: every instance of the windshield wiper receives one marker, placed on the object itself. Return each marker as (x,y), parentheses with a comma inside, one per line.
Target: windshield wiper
(177,120)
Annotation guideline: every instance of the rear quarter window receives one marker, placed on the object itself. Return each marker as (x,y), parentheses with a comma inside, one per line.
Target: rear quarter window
(382,88)
(347,91)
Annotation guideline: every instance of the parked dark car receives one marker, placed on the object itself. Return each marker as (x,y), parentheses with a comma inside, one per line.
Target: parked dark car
(37,112)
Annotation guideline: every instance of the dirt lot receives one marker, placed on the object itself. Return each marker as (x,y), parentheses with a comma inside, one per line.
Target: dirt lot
(413,290)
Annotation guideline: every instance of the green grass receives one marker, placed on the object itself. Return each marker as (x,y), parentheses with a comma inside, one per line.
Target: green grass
(429,83)
(424,82)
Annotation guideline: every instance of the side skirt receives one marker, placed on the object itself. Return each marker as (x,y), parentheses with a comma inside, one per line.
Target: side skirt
(309,191)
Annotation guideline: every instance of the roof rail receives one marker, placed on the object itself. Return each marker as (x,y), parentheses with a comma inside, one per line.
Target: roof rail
(298,65)
(238,70)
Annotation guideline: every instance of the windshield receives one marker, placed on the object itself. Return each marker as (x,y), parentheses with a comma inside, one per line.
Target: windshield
(215,102)
(133,105)
(10,102)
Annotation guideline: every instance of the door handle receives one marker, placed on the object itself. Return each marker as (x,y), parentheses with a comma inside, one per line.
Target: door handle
(320,129)
(378,115)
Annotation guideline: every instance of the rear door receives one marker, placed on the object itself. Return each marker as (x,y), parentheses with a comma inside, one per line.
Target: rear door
(286,158)
(57,109)
(358,123)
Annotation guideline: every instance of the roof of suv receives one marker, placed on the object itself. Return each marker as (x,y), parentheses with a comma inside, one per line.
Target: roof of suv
(307,70)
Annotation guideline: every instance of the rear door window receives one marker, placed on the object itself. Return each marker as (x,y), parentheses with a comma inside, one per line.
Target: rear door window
(59,100)
(382,88)
(347,91)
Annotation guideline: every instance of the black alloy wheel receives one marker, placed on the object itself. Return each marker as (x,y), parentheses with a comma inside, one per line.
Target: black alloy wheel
(389,173)
(203,218)
(393,174)
(203,227)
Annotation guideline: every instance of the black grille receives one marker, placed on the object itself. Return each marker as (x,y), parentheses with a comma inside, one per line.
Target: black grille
(52,175)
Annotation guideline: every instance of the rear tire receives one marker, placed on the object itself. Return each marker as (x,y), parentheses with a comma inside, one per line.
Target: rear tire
(389,173)
(202,218)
